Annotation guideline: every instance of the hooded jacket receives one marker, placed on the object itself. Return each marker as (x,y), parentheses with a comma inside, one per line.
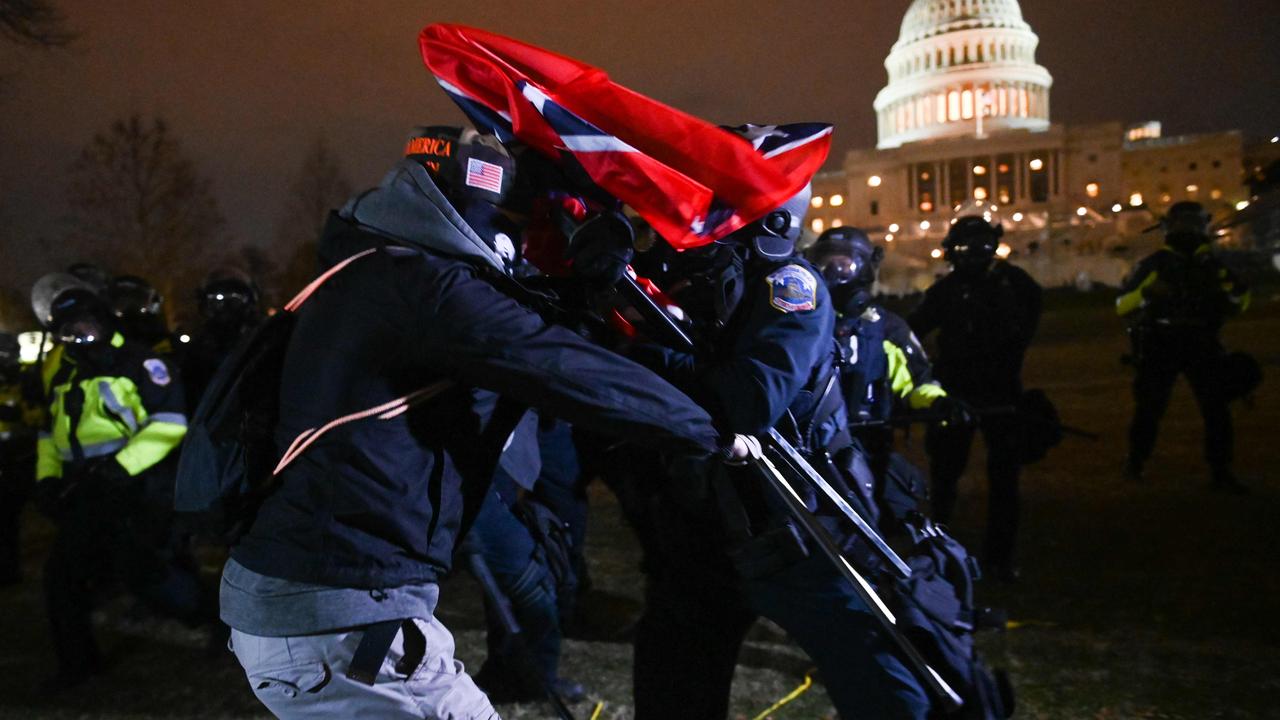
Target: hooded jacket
(380,503)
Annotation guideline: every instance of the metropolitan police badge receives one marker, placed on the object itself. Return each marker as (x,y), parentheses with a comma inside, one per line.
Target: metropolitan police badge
(793,289)
(158,371)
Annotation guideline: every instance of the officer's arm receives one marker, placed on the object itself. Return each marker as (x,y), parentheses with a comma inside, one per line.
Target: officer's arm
(1131,297)
(927,316)
(1237,293)
(484,338)
(160,406)
(781,342)
(918,395)
(48,459)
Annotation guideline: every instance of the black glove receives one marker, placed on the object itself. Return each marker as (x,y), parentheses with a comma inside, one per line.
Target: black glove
(602,247)
(53,495)
(954,412)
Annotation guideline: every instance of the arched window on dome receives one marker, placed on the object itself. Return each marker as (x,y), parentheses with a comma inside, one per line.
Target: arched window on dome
(1022,101)
(951,59)
(981,53)
(937,63)
(966,104)
(940,107)
(953,106)
(1002,101)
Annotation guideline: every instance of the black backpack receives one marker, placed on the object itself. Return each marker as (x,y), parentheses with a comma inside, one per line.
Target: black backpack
(230,462)
(935,610)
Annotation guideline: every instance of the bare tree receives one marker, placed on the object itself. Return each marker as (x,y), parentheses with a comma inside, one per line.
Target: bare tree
(320,186)
(140,205)
(34,22)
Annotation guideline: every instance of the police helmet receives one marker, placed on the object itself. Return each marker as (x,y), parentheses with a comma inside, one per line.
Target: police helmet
(227,293)
(846,255)
(774,236)
(1186,225)
(974,237)
(70,309)
(133,298)
(95,275)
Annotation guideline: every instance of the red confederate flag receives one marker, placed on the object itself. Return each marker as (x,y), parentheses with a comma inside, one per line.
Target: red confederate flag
(692,181)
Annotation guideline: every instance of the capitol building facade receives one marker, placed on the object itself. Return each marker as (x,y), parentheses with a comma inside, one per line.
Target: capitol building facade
(965,116)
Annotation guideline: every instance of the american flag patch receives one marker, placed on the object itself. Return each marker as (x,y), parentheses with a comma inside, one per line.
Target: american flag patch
(483,175)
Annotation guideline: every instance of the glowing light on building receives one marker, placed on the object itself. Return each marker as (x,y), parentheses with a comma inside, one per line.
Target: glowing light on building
(1036,164)
(1003,251)
(979,170)
(1216,194)
(184,338)
(873,181)
(888,237)
(1017,217)
(1242,204)
(816,201)
(1082,211)
(1193,189)
(1092,189)
(1117,207)
(817,225)
(1135,200)
(837,200)
(837,223)
(925,225)
(937,253)
(979,193)
(894,227)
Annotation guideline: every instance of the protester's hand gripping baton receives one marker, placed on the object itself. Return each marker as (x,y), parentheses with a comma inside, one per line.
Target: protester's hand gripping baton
(937,687)
(805,471)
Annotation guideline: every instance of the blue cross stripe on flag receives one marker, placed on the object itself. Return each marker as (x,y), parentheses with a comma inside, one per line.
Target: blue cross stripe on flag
(485,119)
(577,134)
(773,140)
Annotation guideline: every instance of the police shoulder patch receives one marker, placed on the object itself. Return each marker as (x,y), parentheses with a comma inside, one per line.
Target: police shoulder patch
(792,288)
(158,371)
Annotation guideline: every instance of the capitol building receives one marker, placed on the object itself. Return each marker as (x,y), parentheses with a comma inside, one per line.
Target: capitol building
(965,116)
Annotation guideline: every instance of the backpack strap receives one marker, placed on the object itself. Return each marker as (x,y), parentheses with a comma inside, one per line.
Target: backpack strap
(384,411)
(309,290)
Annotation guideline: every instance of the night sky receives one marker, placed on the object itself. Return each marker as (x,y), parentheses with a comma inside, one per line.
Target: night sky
(248,86)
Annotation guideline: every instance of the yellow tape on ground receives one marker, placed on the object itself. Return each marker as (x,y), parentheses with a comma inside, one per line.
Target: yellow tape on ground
(808,682)
(595,714)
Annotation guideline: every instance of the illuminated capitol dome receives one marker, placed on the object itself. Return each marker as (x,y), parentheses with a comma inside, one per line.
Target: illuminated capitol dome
(960,67)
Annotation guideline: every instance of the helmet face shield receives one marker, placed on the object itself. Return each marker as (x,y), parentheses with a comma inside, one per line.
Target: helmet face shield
(82,329)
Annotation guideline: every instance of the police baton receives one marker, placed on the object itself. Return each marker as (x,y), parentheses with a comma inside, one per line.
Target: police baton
(800,467)
(660,322)
(938,688)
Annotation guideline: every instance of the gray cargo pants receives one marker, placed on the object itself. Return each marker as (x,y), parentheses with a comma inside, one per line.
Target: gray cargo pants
(305,676)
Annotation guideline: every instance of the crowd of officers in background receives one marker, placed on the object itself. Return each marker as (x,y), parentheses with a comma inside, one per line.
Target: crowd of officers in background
(91,432)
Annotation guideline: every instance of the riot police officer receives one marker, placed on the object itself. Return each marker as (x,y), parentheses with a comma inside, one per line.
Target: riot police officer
(19,419)
(717,560)
(116,414)
(882,362)
(331,592)
(1176,301)
(230,306)
(986,312)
